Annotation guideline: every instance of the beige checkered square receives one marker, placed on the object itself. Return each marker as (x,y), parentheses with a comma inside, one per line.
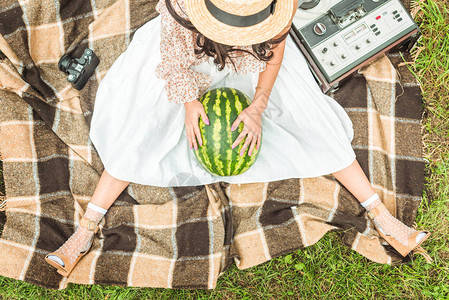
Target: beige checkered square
(110,22)
(252,249)
(15,141)
(16,255)
(381,133)
(161,215)
(150,271)
(46,43)
(311,187)
(249,194)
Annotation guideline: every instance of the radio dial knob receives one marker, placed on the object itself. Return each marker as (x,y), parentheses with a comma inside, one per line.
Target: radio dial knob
(368,41)
(335,44)
(343,56)
(319,28)
(357,47)
(333,63)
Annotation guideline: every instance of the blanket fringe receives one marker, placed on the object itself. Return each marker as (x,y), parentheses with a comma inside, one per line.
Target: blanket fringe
(3,205)
(420,250)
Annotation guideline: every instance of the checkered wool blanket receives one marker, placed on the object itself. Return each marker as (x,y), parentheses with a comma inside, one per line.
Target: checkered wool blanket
(181,237)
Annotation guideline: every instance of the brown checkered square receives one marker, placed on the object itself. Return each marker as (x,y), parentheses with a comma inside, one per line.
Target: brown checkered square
(382,177)
(24,185)
(18,230)
(360,125)
(73,9)
(157,242)
(410,134)
(14,16)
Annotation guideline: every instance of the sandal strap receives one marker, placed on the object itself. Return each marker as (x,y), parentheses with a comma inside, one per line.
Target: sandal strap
(89,224)
(380,208)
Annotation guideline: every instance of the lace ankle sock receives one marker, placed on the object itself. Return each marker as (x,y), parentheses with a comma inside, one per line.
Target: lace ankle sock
(80,239)
(389,224)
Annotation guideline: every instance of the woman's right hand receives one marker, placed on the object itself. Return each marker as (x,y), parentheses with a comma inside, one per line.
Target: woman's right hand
(194,109)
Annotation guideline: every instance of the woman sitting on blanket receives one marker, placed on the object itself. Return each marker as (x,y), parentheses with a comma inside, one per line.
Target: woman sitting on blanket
(145,121)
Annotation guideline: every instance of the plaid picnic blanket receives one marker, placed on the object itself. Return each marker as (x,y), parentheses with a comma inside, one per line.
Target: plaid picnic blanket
(179,237)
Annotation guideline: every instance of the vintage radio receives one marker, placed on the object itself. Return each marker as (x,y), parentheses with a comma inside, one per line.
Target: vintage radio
(339,36)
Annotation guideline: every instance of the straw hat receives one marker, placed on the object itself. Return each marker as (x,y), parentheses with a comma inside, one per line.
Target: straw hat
(240,22)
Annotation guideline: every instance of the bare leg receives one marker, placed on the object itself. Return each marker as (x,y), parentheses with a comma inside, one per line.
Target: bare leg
(106,192)
(355,180)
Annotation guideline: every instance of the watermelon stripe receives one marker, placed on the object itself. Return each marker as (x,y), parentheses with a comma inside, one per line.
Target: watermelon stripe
(217,137)
(229,137)
(235,153)
(216,106)
(206,101)
(239,109)
(238,104)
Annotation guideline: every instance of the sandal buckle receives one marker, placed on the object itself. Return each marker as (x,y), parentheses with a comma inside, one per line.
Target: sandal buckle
(91,225)
(370,215)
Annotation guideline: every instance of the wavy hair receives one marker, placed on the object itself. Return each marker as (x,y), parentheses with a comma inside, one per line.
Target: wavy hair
(221,52)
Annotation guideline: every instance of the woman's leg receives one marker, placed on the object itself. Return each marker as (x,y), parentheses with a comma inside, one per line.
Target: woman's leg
(355,180)
(106,192)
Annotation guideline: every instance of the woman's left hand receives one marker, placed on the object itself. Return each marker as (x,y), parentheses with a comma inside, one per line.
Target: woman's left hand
(252,119)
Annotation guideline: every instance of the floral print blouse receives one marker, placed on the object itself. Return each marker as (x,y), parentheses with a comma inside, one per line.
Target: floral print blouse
(177,55)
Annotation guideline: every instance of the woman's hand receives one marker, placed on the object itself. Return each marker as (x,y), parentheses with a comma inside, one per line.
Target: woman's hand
(252,119)
(194,109)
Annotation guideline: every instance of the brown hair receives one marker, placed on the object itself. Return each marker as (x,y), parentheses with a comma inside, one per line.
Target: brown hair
(221,52)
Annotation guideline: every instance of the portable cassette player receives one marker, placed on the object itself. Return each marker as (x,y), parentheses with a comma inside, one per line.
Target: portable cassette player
(339,36)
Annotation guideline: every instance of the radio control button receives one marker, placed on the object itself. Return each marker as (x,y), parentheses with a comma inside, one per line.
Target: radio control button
(400,19)
(357,47)
(319,28)
(343,56)
(324,50)
(368,41)
(332,63)
(335,44)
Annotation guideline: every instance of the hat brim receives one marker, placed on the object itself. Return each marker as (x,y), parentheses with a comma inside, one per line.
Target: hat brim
(225,34)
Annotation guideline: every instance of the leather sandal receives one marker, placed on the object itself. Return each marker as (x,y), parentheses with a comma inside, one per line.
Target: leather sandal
(401,248)
(67,268)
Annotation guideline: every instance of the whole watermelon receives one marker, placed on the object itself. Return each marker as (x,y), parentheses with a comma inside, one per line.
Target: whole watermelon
(222,106)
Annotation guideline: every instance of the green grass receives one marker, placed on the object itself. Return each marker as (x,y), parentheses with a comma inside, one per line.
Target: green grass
(328,269)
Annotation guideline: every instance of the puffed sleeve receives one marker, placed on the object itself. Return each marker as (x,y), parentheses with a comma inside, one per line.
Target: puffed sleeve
(177,55)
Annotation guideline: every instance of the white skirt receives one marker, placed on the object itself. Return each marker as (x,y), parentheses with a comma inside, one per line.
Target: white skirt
(140,135)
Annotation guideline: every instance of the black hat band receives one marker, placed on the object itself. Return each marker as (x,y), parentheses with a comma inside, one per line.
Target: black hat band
(240,21)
